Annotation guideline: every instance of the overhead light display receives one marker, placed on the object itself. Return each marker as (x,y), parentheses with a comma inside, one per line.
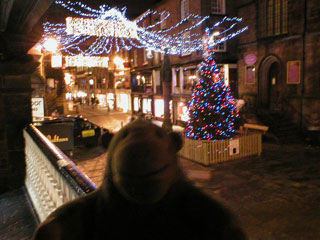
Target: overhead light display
(86,61)
(98,31)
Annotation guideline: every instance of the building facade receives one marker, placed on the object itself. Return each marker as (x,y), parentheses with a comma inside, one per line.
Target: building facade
(279,59)
(147,95)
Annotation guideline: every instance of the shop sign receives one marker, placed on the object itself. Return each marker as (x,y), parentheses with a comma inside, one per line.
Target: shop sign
(61,134)
(37,105)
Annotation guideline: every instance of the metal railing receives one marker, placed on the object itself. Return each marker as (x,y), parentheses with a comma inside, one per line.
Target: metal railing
(52,179)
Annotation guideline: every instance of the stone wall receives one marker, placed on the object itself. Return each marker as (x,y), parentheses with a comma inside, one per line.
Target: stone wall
(15,114)
(300,43)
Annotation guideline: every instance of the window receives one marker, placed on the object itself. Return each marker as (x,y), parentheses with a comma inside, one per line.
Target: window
(189,78)
(222,47)
(273,17)
(218,7)
(145,58)
(177,78)
(186,37)
(135,57)
(184,9)
(156,59)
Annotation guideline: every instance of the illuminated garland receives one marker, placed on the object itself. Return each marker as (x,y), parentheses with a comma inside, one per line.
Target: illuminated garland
(107,28)
(86,61)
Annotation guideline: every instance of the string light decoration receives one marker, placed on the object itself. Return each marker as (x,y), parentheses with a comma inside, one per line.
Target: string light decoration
(212,108)
(86,61)
(101,30)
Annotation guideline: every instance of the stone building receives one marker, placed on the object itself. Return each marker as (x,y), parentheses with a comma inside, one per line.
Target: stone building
(279,74)
(19,31)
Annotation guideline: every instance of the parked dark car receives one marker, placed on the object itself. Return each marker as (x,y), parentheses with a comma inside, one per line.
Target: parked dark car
(84,131)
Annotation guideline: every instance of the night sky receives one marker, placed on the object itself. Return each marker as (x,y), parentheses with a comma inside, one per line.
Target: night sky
(135,7)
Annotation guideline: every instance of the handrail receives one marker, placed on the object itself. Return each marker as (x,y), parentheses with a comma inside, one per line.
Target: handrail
(77,180)
(52,179)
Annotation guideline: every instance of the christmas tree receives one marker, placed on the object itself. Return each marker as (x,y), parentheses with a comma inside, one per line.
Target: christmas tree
(212,110)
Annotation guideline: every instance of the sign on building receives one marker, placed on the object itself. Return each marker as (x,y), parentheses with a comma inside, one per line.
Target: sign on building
(37,105)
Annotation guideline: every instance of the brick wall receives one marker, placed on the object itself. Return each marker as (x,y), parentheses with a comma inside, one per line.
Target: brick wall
(15,114)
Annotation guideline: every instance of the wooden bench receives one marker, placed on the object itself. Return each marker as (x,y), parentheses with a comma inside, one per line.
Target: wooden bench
(250,126)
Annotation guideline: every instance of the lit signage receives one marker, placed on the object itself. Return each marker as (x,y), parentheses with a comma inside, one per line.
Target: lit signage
(86,61)
(101,27)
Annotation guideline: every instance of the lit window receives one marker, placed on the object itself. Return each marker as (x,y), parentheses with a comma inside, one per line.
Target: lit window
(218,6)
(222,47)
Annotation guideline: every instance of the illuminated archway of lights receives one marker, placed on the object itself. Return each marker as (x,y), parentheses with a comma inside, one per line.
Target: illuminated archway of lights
(101,30)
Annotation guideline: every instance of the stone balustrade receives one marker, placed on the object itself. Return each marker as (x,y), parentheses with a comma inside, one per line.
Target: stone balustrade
(52,179)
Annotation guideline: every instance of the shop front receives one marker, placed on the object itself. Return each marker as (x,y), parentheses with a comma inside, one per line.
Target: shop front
(102,98)
(142,104)
(123,100)
(110,100)
(136,104)
(159,108)
(180,110)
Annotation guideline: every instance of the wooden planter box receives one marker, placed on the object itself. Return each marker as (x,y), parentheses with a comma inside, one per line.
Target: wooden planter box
(210,152)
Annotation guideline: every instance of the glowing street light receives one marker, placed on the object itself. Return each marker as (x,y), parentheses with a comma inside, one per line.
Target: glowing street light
(51,45)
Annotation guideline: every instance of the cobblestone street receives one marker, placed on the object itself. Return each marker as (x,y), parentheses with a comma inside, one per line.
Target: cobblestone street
(275,196)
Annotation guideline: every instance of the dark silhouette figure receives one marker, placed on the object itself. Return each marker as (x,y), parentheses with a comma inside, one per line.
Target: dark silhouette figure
(144,196)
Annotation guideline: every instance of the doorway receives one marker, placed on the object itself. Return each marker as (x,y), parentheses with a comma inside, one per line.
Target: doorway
(270,83)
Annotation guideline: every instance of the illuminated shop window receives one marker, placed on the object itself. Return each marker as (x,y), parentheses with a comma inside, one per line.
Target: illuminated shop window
(190,78)
(136,105)
(159,108)
(146,105)
(182,112)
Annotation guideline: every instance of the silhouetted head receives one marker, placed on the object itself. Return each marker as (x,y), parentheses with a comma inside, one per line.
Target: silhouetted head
(142,161)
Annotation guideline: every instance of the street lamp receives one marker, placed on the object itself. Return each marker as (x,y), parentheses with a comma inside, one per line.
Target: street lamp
(51,45)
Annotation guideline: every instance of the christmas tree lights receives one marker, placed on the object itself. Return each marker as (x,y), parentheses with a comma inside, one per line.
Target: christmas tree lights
(212,110)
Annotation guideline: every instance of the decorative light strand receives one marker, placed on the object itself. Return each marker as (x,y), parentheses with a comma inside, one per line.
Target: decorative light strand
(106,28)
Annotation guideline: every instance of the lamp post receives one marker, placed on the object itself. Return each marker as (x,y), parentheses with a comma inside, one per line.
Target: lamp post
(166,79)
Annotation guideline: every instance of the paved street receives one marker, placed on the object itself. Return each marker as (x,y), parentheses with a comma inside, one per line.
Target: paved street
(275,196)
(112,120)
